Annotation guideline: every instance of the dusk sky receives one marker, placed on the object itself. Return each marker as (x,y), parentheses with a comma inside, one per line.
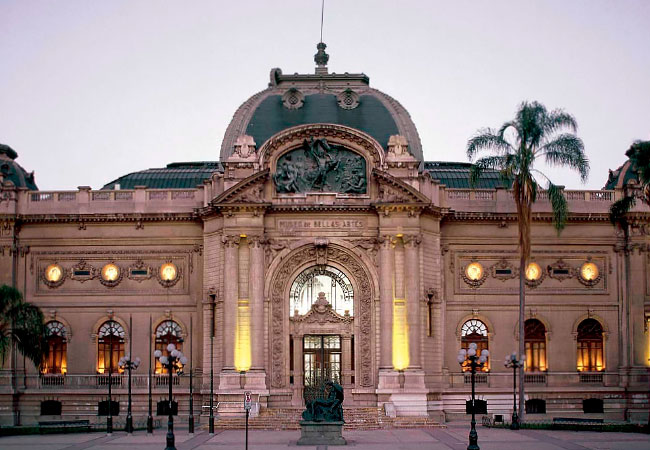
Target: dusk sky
(92,90)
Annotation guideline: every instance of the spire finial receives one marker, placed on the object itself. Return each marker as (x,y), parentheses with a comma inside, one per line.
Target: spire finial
(321,57)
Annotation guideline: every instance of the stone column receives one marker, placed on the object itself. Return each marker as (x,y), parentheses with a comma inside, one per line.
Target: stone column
(346,361)
(208,317)
(297,371)
(412,289)
(230,294)
(387,258)
(256,292)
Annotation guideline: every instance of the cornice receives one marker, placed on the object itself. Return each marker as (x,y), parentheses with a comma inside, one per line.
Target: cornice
(105,218)
(474,216)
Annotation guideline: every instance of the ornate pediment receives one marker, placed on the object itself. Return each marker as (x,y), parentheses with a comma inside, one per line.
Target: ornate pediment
(393,190)
(321,313)
(249,190)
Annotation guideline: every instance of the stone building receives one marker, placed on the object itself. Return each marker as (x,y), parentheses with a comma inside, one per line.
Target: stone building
(322,245)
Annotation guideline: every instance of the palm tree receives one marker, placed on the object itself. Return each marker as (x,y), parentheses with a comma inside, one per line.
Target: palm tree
(639,155)
(21,324)
(534,133)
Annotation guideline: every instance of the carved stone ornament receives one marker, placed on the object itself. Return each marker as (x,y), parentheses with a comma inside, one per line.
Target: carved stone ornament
(244,147)
(112,283)
(82,271)
(279,304)
(272,247)
(503,270)
(560,270)
(293,99)
(318,166)
(321,313)
(170,282)
(348,99)
(397,146)
(371,246)
(474,284)
(139,271)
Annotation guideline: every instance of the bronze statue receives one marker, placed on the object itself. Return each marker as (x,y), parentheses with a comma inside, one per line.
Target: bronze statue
(327,408)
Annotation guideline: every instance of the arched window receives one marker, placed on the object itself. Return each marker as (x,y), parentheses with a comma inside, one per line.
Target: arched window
(110,347)
(168,332)
(590,346)
(331,281)
(475,331)
(535,340)
(56,360)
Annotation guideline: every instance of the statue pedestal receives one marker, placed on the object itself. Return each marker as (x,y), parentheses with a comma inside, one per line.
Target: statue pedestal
(321,433)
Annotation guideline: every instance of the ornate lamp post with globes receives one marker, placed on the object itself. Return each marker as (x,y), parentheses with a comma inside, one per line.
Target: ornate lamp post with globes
(175,360)
(128,364)
(469,358)
(514,363)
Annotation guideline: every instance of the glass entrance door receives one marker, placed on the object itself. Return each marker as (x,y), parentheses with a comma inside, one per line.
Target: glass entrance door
(321,359)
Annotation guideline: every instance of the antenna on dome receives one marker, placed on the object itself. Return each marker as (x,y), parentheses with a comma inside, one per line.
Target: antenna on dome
(321,57)
(322,14)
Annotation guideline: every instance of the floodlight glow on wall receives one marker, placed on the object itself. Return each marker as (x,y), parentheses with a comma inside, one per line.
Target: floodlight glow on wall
(243,337)
(533,272)
(400,335)
(53,273)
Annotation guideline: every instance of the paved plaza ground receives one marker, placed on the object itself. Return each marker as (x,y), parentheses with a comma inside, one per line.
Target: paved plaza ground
(452,437)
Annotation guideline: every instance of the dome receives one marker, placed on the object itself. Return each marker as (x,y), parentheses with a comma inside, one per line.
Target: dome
(12,172)
(301,99)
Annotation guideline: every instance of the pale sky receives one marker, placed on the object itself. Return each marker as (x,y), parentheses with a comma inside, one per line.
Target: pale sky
(92,90)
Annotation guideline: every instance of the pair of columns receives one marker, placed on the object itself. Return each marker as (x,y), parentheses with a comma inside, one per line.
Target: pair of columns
(399,281)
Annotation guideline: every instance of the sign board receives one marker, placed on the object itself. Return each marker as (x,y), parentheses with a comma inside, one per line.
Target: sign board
(248,402)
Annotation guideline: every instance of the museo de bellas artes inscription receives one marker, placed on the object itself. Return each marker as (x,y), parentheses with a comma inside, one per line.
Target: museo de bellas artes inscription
(318,166)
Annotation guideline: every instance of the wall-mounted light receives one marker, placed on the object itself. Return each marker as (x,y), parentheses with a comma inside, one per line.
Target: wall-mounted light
(533,272)
(589,271)
(53,273)
(474,271)
(110,272)
(168,272)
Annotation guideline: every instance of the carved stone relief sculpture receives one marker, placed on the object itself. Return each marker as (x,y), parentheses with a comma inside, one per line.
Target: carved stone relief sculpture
(318,166)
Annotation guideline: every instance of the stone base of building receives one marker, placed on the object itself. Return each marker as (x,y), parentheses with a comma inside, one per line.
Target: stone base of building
(406,392)
(321,433)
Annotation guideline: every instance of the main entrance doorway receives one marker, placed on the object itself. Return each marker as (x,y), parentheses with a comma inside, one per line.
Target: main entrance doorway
(321,361)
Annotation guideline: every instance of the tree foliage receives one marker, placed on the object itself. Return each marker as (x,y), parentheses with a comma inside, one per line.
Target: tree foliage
(639,155)
(21,323)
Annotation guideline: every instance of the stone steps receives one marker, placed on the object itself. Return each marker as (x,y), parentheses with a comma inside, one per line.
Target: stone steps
(355,419)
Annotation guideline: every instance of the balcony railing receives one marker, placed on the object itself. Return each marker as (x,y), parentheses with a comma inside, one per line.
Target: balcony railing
(91,381)
(549,380)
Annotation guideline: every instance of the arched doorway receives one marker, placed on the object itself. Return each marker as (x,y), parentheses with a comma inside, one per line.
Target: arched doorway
(304,269)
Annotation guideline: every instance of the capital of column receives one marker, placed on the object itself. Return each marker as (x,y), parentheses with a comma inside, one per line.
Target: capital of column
(231,240)
(255,241)
(386,241)
(411,240)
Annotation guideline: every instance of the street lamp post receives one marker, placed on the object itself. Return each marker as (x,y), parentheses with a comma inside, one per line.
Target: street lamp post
(175,360)
(128,364)
(514,363)
(469,358)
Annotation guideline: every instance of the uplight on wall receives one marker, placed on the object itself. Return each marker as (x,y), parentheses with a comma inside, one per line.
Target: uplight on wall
(243,337)
(401,358)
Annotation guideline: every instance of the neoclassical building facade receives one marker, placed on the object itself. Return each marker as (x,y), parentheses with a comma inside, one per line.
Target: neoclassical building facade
(321,245)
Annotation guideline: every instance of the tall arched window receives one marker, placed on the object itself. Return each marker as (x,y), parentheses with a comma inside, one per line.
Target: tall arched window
(110,347)
(475,331)
(56,360)
(590,346)
(168,332)
(535,340)
(331,281)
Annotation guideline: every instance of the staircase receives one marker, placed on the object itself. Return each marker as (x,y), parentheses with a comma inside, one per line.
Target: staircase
(355,419)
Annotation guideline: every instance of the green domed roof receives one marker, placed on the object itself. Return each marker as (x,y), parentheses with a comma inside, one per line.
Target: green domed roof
(12,172)
(370,116)
(180,175)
